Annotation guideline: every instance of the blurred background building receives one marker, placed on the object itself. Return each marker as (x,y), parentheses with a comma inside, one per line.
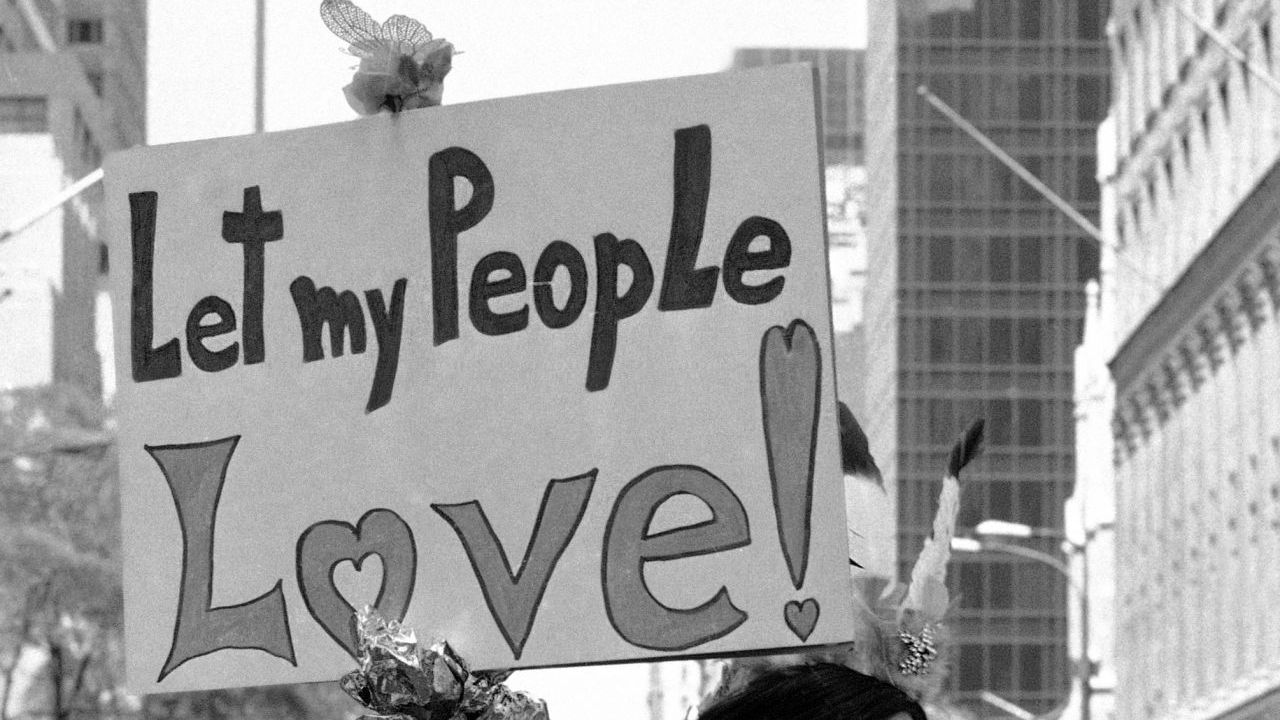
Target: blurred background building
(1193,299)
(72,88)
(977,301)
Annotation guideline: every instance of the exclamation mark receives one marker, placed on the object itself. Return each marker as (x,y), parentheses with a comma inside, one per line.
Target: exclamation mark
(790,385)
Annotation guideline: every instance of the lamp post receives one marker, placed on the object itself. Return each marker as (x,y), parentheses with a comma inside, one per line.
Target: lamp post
(1084,670)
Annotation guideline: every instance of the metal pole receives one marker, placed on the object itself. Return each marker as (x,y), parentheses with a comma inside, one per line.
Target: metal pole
(259,66)
(67,193)
(1236,53)
(1084,665)
(1086,660)
(1013,165)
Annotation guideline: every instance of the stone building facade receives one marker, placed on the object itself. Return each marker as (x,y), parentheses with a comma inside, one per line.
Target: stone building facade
(72,88)
(1196,299)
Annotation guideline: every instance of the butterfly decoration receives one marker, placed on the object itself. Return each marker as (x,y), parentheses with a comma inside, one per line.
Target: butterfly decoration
(402,65)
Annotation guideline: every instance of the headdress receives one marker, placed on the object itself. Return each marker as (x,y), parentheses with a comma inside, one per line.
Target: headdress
(900,636)
(902,632)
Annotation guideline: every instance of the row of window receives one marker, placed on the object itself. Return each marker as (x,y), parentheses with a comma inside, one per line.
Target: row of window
(1018,19)
(985,97)
(1029,668)
(1036,502)
(1019,422)
(970,178)
(1000,260)
(994,341)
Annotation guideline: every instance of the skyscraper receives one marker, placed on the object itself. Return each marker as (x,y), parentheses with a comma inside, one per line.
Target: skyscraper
(975,300)
(72,89)
(841,79)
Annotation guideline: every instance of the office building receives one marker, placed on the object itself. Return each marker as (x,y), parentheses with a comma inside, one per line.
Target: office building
(1194,294)
(975,301)
(71,90)
(840,80)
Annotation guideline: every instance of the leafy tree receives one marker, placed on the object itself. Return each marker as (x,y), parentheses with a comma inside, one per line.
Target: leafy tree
(60,591)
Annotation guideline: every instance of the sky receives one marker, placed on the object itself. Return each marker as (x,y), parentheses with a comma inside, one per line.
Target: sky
(200,85)
(201,54)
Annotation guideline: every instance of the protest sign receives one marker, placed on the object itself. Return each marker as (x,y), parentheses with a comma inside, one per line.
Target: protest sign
(549,377)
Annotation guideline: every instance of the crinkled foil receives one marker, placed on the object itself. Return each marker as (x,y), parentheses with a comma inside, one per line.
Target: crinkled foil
(399,679)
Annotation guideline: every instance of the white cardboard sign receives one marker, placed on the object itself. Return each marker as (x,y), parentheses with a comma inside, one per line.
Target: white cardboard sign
(549,377)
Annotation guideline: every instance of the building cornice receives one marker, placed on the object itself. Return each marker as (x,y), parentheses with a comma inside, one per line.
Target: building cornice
(1218,302)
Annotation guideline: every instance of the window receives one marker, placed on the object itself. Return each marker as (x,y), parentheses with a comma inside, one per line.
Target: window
(1000,587)
(969,260)
(1029,432)
(999,18)
(968,24)
(1029,19)
(999,499)
(941,169)
(1029,260)
(969,340)
(1027,348)
(1031,668)
(942,25)
(971,593)
(1030,102)
(1087,188)
(969,677)
(84,30)
(1089,20)
(1087,260)
(23,115)
(1000,345)
(941,259)
(999,421)
(1000,264)
(940,341)
(941,422)
(1031,504)
(1091,103)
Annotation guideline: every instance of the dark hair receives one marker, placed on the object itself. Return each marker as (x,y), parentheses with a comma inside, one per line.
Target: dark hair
(819,691)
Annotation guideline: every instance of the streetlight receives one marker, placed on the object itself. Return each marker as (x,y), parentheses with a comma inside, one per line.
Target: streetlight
(1085,669)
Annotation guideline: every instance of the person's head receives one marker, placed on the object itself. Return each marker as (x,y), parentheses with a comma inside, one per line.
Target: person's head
(819,691)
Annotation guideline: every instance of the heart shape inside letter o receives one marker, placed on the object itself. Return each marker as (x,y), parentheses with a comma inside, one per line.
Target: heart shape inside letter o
(326,545)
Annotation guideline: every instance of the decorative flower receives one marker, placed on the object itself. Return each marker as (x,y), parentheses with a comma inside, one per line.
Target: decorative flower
(402,66)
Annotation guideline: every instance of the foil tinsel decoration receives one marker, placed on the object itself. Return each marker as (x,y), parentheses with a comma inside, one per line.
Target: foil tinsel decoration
(400,679)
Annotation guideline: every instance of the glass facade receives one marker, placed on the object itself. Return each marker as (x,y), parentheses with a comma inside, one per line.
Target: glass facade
(975,300)
(840,79)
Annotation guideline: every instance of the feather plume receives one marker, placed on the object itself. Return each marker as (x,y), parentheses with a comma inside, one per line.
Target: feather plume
(855,451)
(966,449)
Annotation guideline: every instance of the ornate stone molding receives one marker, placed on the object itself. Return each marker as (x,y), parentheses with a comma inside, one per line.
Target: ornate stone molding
(1242,241)
(1206,340)
(1225,295)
